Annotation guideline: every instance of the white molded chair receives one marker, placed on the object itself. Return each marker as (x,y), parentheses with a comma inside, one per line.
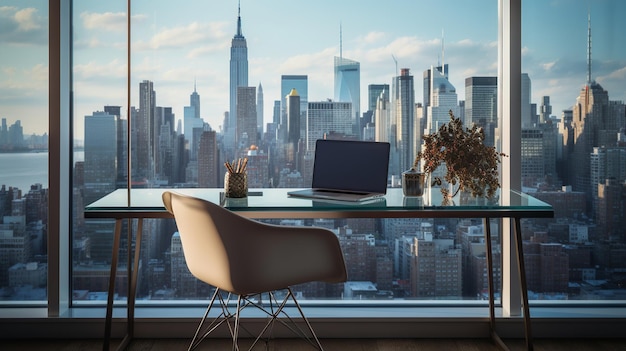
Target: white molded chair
(247,258)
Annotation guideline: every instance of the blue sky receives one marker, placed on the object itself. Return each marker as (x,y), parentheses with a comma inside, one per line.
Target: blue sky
(175,43)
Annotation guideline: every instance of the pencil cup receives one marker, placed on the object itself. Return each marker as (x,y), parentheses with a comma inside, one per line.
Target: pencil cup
(235,184)
(413,183)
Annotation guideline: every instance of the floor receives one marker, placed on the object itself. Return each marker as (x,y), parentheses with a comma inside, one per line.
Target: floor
(329,345)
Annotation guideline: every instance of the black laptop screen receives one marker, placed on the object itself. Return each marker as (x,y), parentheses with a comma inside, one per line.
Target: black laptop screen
(351,165)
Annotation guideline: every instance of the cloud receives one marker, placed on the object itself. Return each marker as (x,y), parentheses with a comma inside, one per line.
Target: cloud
(615,74)
(548,65)
(27,19)
(372,37)
(108,21)
(90,70)
(187,36)
(22,26)
(24,82)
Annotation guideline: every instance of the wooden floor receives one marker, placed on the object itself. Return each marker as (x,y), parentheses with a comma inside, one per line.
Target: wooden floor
(329,345)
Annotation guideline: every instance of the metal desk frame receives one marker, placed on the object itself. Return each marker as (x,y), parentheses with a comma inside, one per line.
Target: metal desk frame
(275,203)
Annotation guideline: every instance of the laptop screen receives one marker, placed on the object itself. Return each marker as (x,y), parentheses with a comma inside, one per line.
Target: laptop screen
(351,165)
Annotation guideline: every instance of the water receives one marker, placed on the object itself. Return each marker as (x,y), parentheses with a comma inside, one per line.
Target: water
(21,170)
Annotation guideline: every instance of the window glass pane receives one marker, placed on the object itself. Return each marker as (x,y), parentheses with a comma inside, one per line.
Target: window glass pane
(573,147)
(209,84)
(99,121)
(23,150)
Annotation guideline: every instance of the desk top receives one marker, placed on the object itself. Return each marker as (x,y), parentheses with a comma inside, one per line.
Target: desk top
(275,203)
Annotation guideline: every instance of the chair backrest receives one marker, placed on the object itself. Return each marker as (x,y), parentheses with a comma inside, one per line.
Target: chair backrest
(244,256)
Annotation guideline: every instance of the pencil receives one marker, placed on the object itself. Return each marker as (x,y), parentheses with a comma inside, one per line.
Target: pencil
(228,167)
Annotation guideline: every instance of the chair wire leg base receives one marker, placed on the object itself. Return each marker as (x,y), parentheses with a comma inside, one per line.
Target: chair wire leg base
(272,308)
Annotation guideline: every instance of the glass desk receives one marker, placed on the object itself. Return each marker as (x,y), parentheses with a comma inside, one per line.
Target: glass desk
(275,203)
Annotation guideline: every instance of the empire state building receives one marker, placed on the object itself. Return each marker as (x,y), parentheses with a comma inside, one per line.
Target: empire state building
(238,78)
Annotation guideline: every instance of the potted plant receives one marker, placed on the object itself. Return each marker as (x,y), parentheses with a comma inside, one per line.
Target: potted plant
(471,166)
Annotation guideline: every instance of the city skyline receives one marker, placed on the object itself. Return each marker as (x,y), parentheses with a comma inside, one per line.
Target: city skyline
(202,39)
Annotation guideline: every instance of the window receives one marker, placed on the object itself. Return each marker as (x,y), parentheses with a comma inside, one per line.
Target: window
(171,86)
(573,120)
(23,152)
(185,123)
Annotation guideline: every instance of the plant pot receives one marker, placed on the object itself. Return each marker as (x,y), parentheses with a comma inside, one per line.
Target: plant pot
(413,182)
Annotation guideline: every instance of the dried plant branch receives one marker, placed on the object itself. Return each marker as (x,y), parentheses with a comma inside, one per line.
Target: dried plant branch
(470,163)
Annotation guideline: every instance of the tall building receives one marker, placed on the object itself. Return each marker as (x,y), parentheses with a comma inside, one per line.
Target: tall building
(191,120)
(259,110)
(257,168)
(301,84)
(194,100)
(607,169)
(545,109)
(533,170)
(382,117)
(611,211)
(238,78)
(403,113)
(144,131)
(122,142)
(4,133)
(100,154)
(373,93)
(163,133)
(348,88)
(208,165)
(293,116)
(293,126)
(481,105)
(325,117)
(442,99)
(528,117)
(246,117)
(427,85)
(436,268)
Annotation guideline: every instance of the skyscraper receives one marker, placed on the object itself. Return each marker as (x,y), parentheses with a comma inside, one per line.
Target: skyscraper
(238,78)
(348,88)
(144,132)
(442,98)
(373,93)
(326,117)
(100,154)
(427,85)
(246,117)
(382,118)
(301,84)
(403,112)
(528,119)
(259,109)
(481,105)
(194,100)
(207,160)
(293,117)
(545,109)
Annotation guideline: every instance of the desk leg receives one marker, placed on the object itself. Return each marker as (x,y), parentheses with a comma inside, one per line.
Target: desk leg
(133,282)
(490,285)
(111,292)
(523,285)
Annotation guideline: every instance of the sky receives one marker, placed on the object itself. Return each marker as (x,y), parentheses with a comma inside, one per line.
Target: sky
(179,44)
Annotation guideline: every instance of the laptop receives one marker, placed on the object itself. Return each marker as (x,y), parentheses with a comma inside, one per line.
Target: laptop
(348,170)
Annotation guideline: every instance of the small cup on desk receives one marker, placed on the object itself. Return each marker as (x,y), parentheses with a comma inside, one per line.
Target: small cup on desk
(235,185)
(413,183)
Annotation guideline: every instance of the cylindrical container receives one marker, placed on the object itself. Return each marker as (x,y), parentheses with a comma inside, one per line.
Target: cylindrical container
(235,184)
(413,183)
